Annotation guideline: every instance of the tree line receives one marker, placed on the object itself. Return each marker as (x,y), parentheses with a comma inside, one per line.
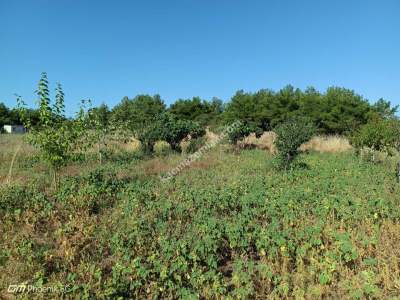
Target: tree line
(335,111)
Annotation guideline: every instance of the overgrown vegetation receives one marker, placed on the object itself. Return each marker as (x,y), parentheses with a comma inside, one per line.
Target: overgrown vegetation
(378,135)
(234,227)
(230,225)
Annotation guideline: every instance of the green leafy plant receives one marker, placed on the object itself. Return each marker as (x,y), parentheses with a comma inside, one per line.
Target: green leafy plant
(170,129)
(290,135)
(378,135)
(239,132)
(195,144)
(56,138)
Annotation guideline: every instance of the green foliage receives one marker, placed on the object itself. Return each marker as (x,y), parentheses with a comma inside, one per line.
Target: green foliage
(55,138)
(198,110)
(170,129)
(195,144)
(12,116)
(16,198)
(92,192)
(137,113)
(338,111)
(102,114)
(251,109)
(378,135)
(173,130)
(162,148)
(4,115)
(385,109)
(236,230)
(290,135)
(231,227)
(239,132)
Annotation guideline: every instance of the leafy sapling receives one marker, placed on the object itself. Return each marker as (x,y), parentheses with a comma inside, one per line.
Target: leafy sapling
(56,138)
(290,135)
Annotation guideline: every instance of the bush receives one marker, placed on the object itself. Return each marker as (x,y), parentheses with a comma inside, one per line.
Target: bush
(170,129)
(195,144)
(290,135)
(162,148)
(378,135)
(238,133)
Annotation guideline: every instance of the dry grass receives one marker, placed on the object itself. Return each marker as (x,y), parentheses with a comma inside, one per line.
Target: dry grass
(132,145)
(210,138)
(329,144)
(264,142)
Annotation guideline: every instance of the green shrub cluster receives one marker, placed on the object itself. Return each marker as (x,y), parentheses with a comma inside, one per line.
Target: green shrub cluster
(378,135)
(241,130)
(168,128)
(290,135)
(195,144)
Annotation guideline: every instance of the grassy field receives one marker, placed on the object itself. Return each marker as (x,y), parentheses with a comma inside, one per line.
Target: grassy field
(229,226)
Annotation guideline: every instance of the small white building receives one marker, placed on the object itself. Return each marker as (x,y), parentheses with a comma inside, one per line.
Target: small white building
(14,129)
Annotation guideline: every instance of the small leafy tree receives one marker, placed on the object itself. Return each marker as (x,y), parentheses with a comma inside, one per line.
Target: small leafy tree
(290,135)
(378,135)
(242,130)
(384,109)
(170,129)
(136,114)
(100,128)
(56,138)
(148,136)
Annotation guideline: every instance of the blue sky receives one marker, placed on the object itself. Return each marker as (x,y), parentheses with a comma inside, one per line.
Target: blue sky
(104,50)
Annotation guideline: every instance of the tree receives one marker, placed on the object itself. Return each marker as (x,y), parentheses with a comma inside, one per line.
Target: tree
(378,135)
(290,135)
(102,114)
(56,139)
(169,128)
(343,111)
(385,109)
(239,132)
(251,109)
(4,115)
(137,113)
(283,105)
(198,110)
(312,105)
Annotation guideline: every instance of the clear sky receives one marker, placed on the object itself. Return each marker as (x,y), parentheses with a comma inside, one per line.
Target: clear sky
(104,50)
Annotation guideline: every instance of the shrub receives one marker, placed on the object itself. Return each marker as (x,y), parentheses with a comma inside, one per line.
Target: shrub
(378,135)
(238,133)
(162,148)
(195,144)
(290,135)
(170,129)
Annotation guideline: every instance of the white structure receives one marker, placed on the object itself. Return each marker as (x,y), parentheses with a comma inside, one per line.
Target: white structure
(14,129)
